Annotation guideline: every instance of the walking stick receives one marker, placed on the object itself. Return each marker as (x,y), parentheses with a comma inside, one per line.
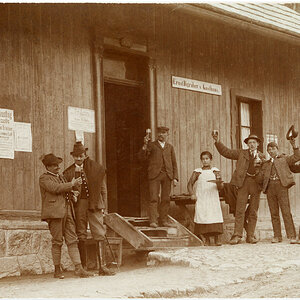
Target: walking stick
(112,254)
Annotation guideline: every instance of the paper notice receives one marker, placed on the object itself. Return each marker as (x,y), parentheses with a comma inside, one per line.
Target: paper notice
(7,133)
(23,137)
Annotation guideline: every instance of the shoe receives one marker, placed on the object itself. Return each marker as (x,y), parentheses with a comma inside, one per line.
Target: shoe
(104,271)
(235,240)
(153,225)
(81,272)
(251,240)
(293,241)
(276,240)
(58,272)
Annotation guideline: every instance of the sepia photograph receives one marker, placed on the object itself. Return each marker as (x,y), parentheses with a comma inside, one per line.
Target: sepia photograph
(149,150)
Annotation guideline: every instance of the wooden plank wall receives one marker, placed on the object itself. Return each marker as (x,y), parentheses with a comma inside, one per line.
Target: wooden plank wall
(45,67)
(234,58)
(46,63)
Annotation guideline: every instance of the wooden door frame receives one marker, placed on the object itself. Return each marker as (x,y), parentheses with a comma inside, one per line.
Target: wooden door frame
(242,93)
(99,50)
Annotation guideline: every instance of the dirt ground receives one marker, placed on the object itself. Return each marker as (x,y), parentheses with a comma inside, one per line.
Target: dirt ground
(140,281)
(286,285)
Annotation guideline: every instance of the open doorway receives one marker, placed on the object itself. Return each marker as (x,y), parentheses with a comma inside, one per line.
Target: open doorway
(126,118)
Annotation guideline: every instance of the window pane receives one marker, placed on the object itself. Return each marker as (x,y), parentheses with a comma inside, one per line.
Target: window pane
(245,114)
(244,134)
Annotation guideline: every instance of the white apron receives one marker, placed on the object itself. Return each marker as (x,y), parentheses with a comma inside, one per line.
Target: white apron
(208,206)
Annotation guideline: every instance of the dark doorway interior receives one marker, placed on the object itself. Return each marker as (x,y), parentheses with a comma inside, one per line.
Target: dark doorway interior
(125,122)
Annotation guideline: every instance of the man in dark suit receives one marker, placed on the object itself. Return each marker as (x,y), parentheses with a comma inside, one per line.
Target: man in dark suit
(162,171)
(248,161)
(57,211)
(276,178)
(91,203)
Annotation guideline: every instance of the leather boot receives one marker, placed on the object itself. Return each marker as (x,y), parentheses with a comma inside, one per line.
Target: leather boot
(82,252)
(81,272)
(103,270)
(58,272)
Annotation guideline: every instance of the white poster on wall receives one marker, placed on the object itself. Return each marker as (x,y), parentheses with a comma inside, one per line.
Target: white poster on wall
(81,119)
(7,133)
(23,137)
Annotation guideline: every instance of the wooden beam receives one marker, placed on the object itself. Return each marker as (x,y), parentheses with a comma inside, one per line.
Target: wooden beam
(99,102)
(152,87)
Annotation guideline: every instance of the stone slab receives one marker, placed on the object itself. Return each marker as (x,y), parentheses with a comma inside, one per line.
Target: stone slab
(9,267)
(2,243)
(30,264)
(18,242)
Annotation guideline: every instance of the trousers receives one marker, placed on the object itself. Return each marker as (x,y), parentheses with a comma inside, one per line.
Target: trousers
(277,196)
(85,216)
(156,207)
(64,229)
(250,187)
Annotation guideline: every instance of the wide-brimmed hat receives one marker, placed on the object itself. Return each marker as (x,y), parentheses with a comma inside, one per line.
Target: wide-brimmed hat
(50,159)
(292,133)
(162,129)
(252,137)
(78,149)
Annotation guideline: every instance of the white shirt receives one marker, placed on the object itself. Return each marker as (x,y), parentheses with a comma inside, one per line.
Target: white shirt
(253,153)
(162,144)
(79,167)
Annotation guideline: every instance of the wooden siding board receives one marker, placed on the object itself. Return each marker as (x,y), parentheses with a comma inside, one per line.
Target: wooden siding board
(51,66)
(189,104)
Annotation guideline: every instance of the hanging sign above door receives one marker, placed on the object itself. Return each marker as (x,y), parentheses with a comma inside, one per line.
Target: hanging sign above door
(196,85)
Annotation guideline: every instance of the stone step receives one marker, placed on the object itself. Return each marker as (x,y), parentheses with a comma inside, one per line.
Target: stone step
(159,231)
(138,221)
(182,241)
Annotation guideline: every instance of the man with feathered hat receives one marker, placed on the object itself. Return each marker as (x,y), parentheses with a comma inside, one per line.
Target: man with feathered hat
(91,203)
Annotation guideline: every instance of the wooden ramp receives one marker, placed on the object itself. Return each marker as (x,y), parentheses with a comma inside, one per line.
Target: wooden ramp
(137,232)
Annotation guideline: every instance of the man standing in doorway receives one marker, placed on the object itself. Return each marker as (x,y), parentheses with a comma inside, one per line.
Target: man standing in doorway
(248,163)
(91,203)
(162,171)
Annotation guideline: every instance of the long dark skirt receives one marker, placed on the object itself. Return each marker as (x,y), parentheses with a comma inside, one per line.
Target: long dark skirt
(208,229)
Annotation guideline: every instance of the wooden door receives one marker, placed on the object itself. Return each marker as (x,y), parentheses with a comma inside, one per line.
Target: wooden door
(124,130)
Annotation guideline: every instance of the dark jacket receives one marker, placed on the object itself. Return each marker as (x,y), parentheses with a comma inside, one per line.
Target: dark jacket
(53,193)
(156,156)
(295,168)
(242,156)
(95,174)
(282,165)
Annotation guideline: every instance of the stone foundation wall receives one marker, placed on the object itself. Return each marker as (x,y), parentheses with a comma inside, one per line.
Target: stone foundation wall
(25,248)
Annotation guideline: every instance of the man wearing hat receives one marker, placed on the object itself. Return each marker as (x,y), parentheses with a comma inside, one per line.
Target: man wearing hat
(162,171)
(57,211)
(243,178)
(91,203)
(276,178)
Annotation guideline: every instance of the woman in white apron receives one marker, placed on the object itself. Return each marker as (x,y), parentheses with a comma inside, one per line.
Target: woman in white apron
(208,213)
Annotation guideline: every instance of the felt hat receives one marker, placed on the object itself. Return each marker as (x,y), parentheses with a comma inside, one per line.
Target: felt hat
(162,129)
(252,137)
(292,133)
(78,149)
(50,159)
